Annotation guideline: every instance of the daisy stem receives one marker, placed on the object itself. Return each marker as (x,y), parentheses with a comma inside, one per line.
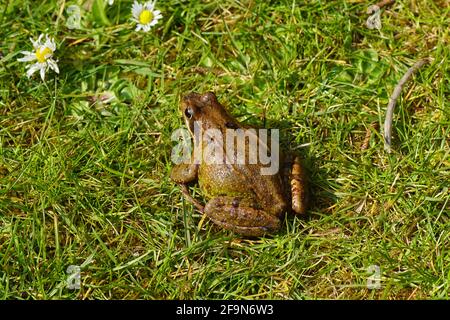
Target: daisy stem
(51,111)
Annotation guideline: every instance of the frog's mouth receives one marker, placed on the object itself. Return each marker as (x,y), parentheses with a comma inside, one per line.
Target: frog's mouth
(190,126)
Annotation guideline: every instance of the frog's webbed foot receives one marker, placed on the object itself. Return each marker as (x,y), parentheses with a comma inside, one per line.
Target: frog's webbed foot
(238,215)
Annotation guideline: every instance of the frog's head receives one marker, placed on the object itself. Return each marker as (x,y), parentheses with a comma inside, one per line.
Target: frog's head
(205,109)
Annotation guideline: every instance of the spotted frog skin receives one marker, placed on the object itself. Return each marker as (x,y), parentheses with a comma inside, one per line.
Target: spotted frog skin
(240,198)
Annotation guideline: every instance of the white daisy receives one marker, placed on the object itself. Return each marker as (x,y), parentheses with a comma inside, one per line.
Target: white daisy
(43,52)
(110,2)
(145,15)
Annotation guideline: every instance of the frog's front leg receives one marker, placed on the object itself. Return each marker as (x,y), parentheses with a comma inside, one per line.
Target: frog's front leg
(182,174)
(241,216)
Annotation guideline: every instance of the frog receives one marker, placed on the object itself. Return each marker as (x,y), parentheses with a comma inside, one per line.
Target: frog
(239,197)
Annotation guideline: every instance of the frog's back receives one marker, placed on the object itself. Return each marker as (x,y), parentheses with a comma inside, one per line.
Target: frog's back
(223,179)
(243,181)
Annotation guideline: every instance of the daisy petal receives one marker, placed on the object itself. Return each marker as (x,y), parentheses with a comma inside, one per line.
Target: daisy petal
(32,69)
(43,73)
(50,43)
(27,58)
(136,9)
(52,64)
(37,43)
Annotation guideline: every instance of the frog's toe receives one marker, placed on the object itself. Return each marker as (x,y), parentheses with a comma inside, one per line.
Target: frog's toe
(241,218)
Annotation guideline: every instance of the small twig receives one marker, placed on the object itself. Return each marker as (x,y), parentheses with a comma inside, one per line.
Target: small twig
(393,100)
(378,6)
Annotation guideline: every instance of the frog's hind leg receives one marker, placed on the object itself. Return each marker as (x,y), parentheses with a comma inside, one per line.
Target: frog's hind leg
(238,215)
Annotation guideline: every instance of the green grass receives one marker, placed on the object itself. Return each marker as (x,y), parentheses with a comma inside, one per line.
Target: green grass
(84,183)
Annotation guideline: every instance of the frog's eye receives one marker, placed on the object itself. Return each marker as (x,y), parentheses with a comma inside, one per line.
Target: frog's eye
(188,113)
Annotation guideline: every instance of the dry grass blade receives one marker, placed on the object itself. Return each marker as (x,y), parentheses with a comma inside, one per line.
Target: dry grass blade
(365,144)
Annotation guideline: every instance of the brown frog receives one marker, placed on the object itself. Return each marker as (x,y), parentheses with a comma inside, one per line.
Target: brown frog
(241,198)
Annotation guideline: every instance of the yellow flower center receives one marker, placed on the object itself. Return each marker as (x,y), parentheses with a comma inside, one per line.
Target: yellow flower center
(41,53)
(145,17)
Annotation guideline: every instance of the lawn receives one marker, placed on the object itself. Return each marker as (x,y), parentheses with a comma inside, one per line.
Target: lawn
(85,154)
